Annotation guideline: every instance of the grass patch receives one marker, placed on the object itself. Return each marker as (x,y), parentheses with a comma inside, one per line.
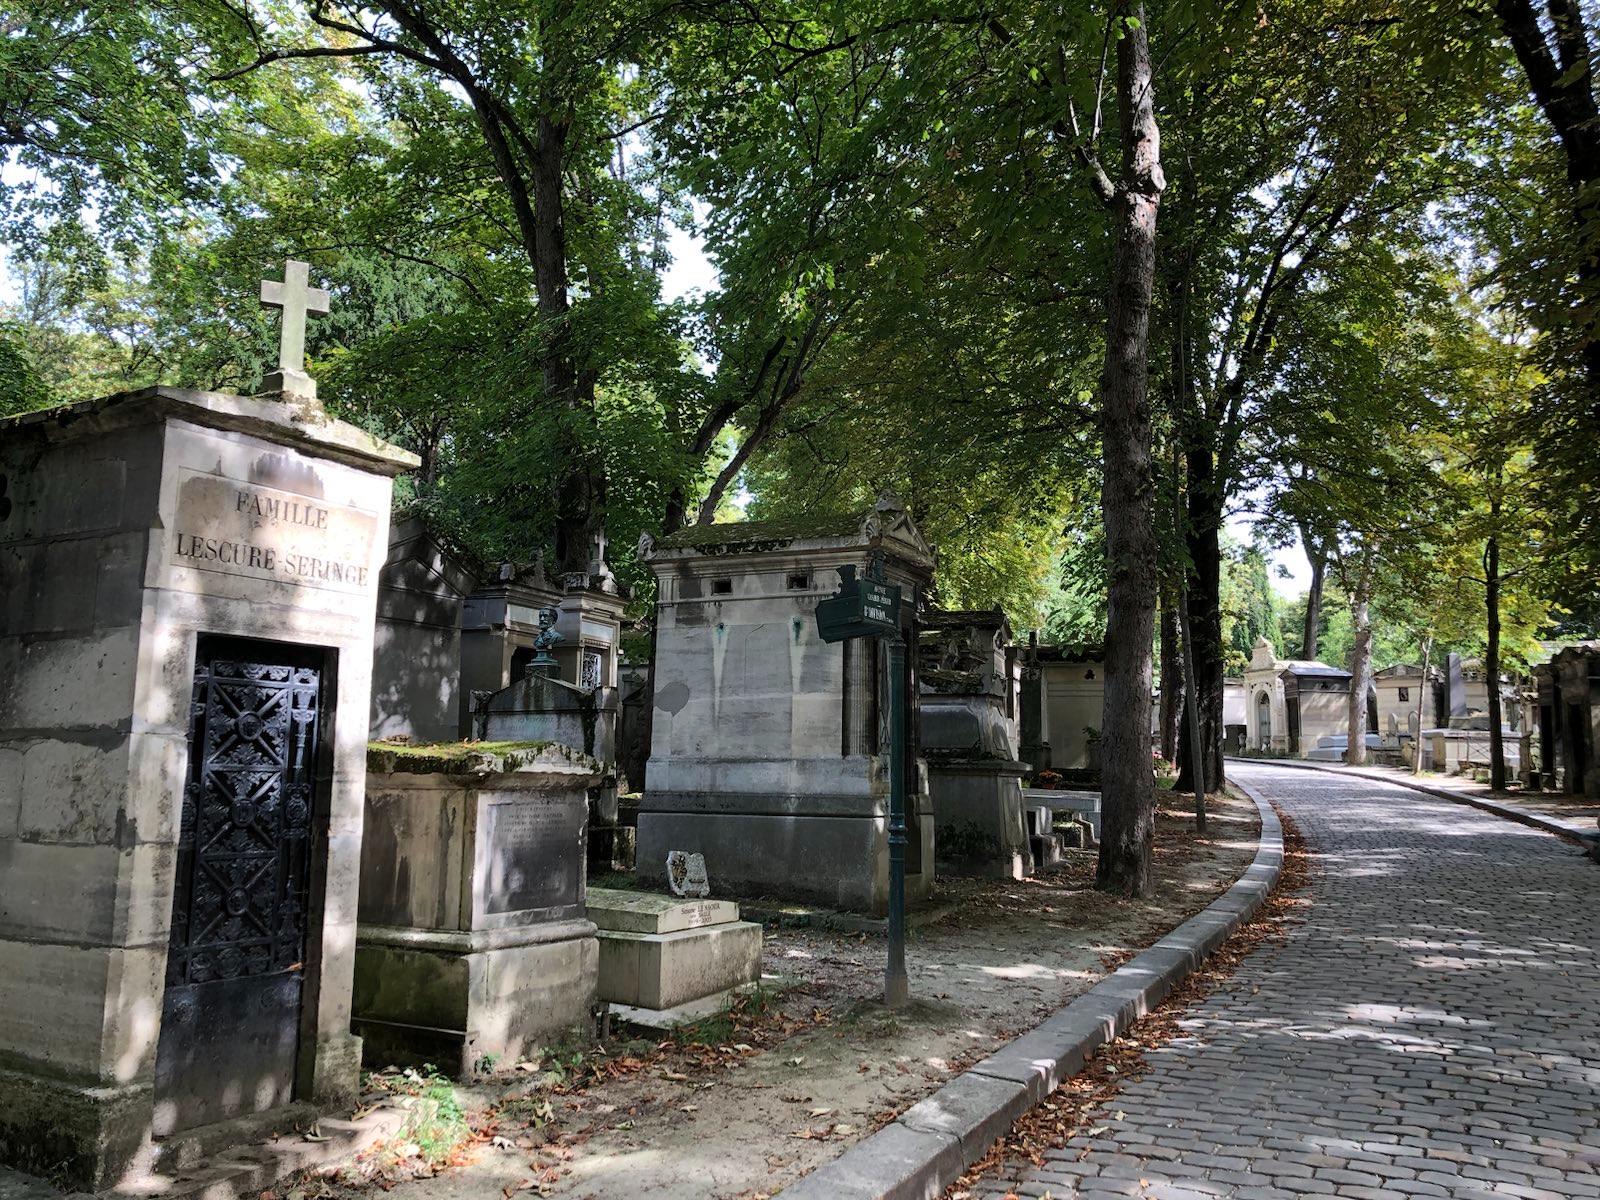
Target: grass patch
(436,1125)
(747,1009)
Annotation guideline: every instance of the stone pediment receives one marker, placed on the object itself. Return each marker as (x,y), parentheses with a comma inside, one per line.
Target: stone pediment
(890,525)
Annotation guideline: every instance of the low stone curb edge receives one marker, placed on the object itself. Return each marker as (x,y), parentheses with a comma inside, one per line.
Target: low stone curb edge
(919,1154)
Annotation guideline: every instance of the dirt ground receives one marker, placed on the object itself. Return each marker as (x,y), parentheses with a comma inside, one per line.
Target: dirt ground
(742,1107)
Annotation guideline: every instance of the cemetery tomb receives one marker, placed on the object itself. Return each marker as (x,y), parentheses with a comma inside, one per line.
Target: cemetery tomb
(969,739)
(590,625)
(666,960)
(1072,688)
(768,747)
(1293,703)
(416,665)
(1235,716)
(499,626)
(1467,693)
(189,580)
(1568,692)
(1401,691)
(473,939)
(1082,806)
(564,689)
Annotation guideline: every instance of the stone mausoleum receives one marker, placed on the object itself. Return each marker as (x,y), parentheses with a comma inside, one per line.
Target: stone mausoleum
(187,588)
(1071,684)
(1567,689)
(1290,704)
(769,745)
(416,664)
(969,739)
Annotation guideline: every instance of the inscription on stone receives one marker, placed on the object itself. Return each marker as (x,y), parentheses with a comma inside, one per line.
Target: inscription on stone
(230,527)
(534,857)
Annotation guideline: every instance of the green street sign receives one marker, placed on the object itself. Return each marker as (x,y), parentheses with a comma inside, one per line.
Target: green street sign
(860,608)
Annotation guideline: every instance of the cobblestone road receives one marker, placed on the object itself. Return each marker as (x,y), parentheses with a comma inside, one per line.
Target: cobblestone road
(1432,1030)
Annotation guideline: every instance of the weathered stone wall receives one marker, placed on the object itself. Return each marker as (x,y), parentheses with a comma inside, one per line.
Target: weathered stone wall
(1074,701)
(416,666)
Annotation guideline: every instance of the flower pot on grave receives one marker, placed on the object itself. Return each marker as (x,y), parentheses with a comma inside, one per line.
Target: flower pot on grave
(473,942)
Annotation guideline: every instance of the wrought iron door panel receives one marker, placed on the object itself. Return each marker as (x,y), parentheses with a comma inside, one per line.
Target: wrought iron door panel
(230,1024)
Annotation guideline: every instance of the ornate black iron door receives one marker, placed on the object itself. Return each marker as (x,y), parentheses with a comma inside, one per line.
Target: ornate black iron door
(230,1020)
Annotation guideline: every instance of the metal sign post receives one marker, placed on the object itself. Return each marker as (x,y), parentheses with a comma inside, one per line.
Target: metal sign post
(896,987)
(864,608)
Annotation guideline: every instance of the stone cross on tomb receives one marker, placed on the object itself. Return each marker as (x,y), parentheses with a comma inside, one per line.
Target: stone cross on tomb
(296,298)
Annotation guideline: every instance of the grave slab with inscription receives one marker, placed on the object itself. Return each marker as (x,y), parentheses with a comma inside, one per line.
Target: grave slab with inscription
(473,938)
(187,587)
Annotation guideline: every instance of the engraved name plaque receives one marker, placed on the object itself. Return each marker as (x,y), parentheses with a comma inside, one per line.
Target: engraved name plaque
(230,527)
(534,851)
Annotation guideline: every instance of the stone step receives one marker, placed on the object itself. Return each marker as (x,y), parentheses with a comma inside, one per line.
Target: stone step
(244,1171)
(1046,850)
(665,970)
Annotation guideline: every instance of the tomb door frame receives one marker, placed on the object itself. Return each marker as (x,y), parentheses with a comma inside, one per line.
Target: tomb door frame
(267,950)
(1291,720)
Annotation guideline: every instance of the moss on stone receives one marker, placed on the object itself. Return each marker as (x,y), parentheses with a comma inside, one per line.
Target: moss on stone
(760,535)
(472,758)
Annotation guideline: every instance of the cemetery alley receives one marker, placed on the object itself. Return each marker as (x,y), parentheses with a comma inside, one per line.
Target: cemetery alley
(880,600)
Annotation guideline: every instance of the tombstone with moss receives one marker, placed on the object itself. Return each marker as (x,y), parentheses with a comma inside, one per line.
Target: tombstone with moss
(473,943)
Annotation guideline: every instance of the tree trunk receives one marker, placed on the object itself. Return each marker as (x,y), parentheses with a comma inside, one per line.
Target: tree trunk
(1204,543)
(1491,653)
(1422,701)
(1355,751)
(1197,767)
(1172,683)
(1312,632)
(1127,490)
(1562,84)
(580,489)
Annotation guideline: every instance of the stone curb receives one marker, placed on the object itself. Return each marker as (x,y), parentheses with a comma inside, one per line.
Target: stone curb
(918,1155)
(1589,839)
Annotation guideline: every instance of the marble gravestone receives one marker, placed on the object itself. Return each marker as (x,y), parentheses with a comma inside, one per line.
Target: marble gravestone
(187,588)
(768,745)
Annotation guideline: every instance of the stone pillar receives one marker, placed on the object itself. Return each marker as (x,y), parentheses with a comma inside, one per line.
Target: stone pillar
(187,593)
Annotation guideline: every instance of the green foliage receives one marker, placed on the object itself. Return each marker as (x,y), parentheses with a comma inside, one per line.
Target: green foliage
(910,271)
(1251,607)
(22,388)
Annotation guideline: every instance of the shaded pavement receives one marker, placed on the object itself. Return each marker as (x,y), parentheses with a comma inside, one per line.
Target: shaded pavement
(1432,1029)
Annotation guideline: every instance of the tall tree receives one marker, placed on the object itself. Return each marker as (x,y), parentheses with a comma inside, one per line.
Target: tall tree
(1557,58)
(1128,491)
(1283,198)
